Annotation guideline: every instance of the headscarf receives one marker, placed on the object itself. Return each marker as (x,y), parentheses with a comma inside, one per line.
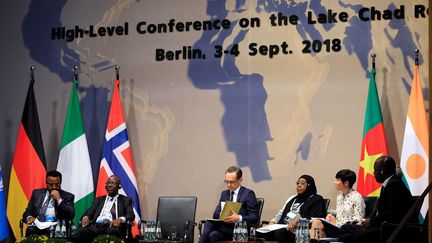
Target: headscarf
(305,199)
(310,189)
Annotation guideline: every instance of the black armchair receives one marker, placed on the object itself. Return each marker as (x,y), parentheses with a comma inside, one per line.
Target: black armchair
(176,211)
(327,203)
(260,202)
(370,205)
(411,232)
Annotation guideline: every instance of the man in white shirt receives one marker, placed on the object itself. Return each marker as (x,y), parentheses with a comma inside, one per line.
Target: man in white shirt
(108,214)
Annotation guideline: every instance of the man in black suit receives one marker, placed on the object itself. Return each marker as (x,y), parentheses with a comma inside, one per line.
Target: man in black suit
(217,231)
(393,203)
(108,214)
(45,198)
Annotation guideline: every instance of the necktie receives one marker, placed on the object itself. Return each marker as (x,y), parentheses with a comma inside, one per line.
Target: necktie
(43,210)
(231,196)
(113,211)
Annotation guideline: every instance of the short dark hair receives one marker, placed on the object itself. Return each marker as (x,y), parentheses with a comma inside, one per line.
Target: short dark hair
(54,173)
(235,169)
(116,176)
(347,175)
(388,164)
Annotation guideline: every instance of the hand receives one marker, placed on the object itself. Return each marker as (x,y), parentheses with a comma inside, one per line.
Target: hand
(30,220)
(84,221)
(233,218)
(292,226)
(365,223)
(55,195)
(116,222)
(331,218)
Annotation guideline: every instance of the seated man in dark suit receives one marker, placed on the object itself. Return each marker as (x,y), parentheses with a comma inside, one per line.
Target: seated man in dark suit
(44,200)
(108,214)
(217,231)
(393,203)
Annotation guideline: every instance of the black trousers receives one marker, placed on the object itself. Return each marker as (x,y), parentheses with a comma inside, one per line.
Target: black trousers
(88,233)
(280,235)
(33,230)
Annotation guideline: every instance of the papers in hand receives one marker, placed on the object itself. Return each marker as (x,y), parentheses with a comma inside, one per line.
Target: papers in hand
(271,227)
(43,225)
(228,209)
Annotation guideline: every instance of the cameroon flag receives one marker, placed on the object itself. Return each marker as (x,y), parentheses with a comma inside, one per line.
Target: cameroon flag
(374,142)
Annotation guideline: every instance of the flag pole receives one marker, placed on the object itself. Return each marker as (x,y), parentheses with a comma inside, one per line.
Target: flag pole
(373,55)
(75,73)
(416,207)
(117,69)
(32,79)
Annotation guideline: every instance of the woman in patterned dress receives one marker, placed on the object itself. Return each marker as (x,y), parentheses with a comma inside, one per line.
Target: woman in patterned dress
(350,207)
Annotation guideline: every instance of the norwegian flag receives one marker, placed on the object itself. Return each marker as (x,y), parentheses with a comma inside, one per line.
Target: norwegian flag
(117,157)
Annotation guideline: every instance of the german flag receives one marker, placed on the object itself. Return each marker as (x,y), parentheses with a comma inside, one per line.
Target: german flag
(29,165)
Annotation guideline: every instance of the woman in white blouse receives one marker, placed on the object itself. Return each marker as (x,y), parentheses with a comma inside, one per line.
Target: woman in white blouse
(350,207)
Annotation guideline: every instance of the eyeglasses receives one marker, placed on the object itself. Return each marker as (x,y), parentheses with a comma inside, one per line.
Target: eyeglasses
(230,182)
(53,184)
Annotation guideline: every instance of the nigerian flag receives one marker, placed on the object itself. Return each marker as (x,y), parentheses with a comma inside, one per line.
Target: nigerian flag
(74,159)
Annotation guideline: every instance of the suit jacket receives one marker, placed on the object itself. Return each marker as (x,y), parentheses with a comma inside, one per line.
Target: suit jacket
(393,203)
(124,208)
(65,210)
(249,208)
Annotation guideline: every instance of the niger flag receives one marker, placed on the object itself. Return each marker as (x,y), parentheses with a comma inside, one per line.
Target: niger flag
(415,147)
(374,143)
(28,166)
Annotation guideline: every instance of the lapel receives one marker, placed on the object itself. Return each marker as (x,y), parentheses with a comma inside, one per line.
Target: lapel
(225,195)
(100,206)
(378,203)
(240,194)
(120,206)
(40,198)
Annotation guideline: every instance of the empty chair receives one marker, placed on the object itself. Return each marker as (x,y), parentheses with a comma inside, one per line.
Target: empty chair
(177,211)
